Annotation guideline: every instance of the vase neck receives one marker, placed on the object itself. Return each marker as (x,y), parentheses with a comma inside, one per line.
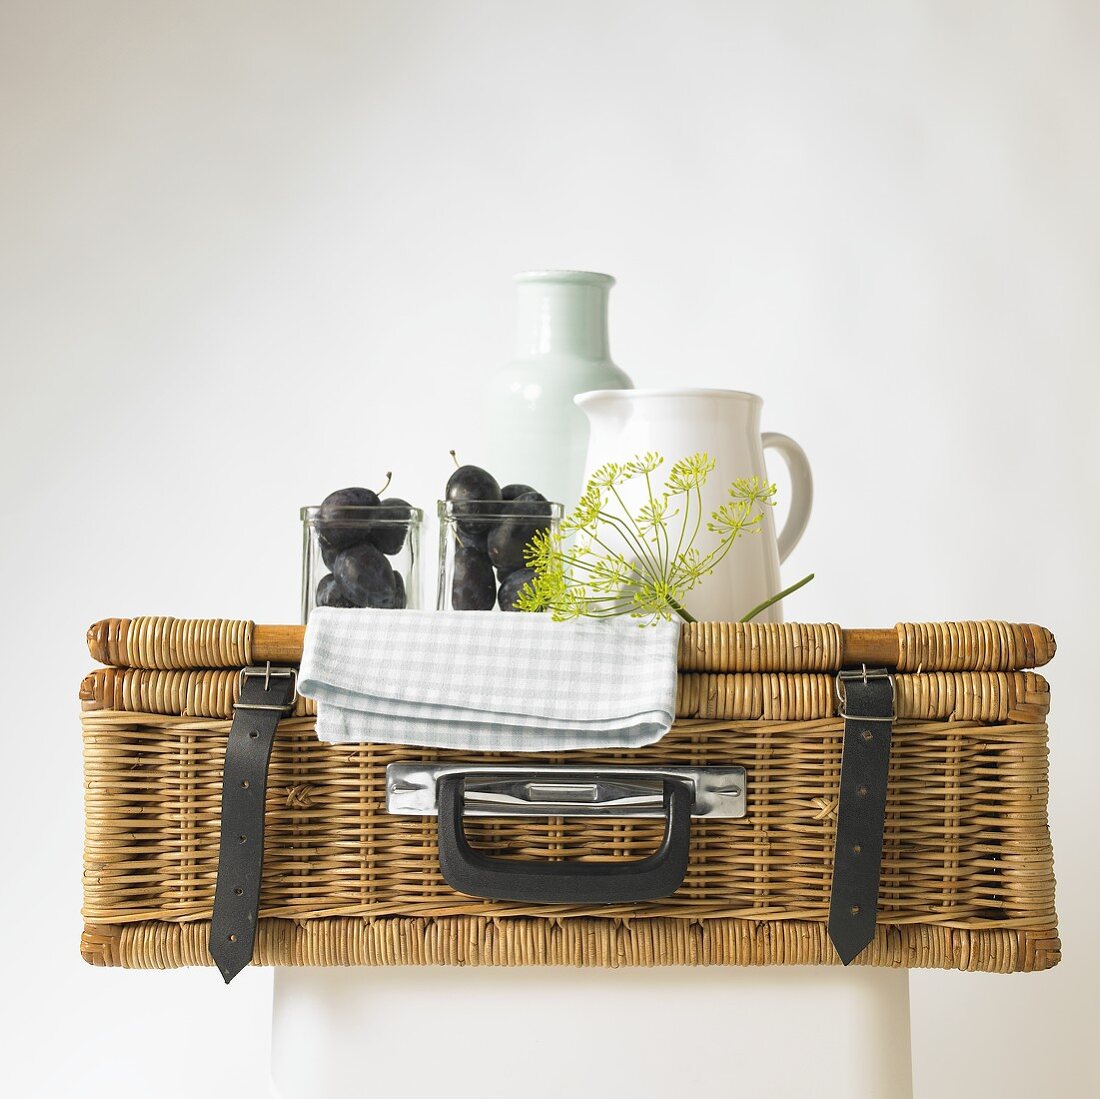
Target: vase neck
(562,313)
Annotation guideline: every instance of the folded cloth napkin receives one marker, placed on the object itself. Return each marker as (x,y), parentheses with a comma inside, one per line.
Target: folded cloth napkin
(487,681)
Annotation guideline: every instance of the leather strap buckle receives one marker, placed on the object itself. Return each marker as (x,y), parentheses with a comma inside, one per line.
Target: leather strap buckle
(864,675)
(866,700)
(267,673)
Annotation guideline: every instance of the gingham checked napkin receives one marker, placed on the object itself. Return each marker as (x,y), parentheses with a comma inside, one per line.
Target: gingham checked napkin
(487,681)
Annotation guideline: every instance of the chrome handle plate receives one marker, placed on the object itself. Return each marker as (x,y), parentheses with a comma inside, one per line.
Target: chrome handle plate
(515,790)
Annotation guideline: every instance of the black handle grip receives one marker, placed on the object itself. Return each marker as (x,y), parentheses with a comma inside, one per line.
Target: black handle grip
(469,871)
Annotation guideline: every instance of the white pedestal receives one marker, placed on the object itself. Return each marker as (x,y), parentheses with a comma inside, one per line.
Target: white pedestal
(548,1033)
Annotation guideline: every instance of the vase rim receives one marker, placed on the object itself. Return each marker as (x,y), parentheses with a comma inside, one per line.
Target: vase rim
(590,278)
(592,395)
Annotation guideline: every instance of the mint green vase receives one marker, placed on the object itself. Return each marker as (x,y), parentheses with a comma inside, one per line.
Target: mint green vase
(536,435)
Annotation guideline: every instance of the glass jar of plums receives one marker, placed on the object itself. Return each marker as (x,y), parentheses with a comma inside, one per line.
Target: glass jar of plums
(360,555)
(481,550)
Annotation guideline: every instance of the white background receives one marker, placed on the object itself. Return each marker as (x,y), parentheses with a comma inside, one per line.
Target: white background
(250,252)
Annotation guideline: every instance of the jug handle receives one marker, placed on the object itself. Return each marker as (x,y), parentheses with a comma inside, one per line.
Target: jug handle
(802,490)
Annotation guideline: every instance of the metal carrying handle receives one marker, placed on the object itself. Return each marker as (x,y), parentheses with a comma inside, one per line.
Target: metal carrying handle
(478,875)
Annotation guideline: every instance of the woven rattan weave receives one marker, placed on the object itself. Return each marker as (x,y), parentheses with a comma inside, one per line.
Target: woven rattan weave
(967,876)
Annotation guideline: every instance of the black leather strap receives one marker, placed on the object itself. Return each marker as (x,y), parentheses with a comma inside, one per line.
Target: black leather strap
(266,695)
(867,705)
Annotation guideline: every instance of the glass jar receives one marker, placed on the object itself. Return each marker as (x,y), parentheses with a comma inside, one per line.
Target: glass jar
(361,557)
(481,543)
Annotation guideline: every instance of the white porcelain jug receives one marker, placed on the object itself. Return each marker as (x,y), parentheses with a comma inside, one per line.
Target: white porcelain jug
(725,424)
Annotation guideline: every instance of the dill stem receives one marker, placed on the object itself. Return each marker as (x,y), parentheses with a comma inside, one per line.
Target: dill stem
(685,614)
(635,535)
(660,527)
(611,553)
(649,570)
(775,598)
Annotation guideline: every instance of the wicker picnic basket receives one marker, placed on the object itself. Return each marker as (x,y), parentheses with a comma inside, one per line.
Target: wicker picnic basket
(966,882)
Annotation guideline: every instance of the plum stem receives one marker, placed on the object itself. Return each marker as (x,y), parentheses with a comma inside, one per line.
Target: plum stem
(454,457)
(389,477)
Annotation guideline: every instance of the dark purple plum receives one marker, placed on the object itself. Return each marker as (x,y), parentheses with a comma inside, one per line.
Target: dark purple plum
(530,503)
(473,588)
(401,598)
(511,492)
(365,576)
(510,589)
(329,593)
(508,538)
(473,492)
(507,541)
(472,539)
(329,552)
(512,506)
(338,528)
(389,536)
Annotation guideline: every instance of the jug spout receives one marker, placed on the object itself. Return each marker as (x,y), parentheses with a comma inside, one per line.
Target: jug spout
(609,420)
(601,402)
